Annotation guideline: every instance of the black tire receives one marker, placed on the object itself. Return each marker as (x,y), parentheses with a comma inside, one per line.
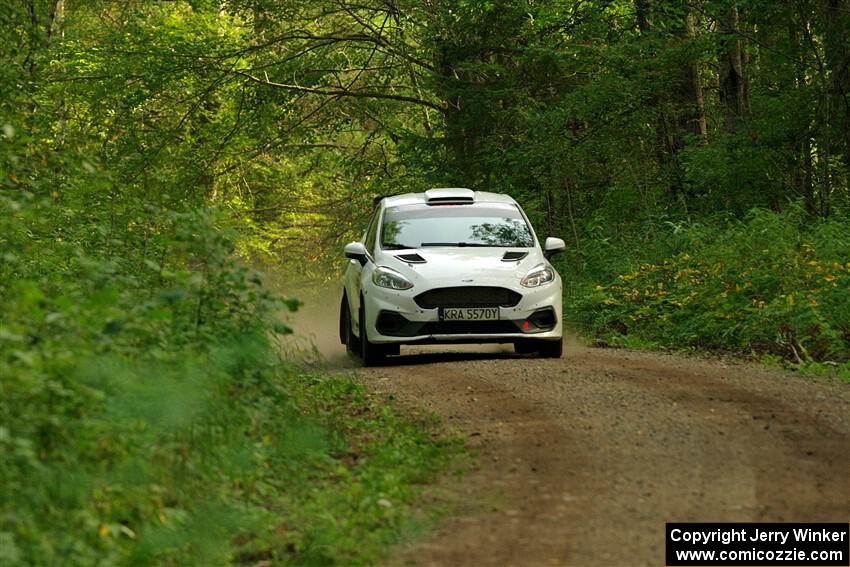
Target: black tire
(525,346)
(346,336)
(370,353)
(391,350)
(551,349)
(544,349)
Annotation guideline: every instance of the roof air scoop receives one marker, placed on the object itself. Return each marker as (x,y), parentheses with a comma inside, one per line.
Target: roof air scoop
(514,256)
(449,196)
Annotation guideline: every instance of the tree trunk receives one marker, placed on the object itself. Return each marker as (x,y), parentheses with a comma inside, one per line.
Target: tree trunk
(642,13)
(747,66)
(455,136)
(682,111)
(806,179)
(732,81)
(571,213)
(688,108)
(837,49)
(57,28)
(644,22)
(691,95)
(693,84)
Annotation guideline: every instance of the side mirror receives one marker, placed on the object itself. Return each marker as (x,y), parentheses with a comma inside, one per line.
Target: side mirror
(552,246)
(356,251)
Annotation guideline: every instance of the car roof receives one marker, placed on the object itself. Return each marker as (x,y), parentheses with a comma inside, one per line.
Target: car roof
(421,198)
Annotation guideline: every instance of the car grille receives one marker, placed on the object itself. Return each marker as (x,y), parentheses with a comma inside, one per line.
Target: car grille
(467,296)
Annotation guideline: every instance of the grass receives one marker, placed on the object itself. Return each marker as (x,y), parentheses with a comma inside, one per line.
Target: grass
(234,458)
(356,499)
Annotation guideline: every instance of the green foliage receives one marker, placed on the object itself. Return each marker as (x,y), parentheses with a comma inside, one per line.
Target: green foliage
(147,420)
(144,415)
(770,283)
(149,151)
(357,508)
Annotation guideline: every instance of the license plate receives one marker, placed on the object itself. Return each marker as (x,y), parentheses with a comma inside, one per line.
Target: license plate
(469,313)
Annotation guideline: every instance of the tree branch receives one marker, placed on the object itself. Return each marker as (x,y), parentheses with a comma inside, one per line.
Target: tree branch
(340,92)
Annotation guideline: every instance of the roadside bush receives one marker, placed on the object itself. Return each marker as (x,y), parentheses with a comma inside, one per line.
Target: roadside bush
(772,283)
(147,419)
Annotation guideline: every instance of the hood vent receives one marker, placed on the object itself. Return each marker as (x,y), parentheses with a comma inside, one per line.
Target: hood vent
(513,256)
(412,258)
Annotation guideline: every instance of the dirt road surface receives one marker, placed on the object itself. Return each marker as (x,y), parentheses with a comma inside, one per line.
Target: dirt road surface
(581,460)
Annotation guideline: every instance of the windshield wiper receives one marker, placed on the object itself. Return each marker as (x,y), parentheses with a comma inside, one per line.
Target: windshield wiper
(393,246)
(459,244)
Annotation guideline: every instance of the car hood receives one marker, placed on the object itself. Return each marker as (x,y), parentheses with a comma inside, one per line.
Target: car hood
(444,267)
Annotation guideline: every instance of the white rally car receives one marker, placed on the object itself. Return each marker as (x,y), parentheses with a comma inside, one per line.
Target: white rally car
(450,266)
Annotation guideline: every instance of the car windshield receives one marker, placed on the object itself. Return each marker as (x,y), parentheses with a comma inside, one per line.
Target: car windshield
(418,226)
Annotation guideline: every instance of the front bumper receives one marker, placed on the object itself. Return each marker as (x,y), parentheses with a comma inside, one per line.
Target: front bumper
(393,317)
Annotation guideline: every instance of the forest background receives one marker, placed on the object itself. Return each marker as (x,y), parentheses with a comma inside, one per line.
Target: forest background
(157,156)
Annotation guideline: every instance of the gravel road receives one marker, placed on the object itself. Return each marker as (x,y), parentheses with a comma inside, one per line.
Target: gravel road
(581,461)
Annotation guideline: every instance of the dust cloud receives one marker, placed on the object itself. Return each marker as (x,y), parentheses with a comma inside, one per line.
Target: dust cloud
(315,325)
(572,344)
(315,337)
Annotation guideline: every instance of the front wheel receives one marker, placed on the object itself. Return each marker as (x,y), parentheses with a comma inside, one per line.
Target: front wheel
(551,349)
(372,354)
(346,336)
(543,348)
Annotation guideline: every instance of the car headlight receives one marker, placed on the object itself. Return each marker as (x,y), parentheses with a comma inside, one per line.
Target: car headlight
(389,278)
(539,275)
